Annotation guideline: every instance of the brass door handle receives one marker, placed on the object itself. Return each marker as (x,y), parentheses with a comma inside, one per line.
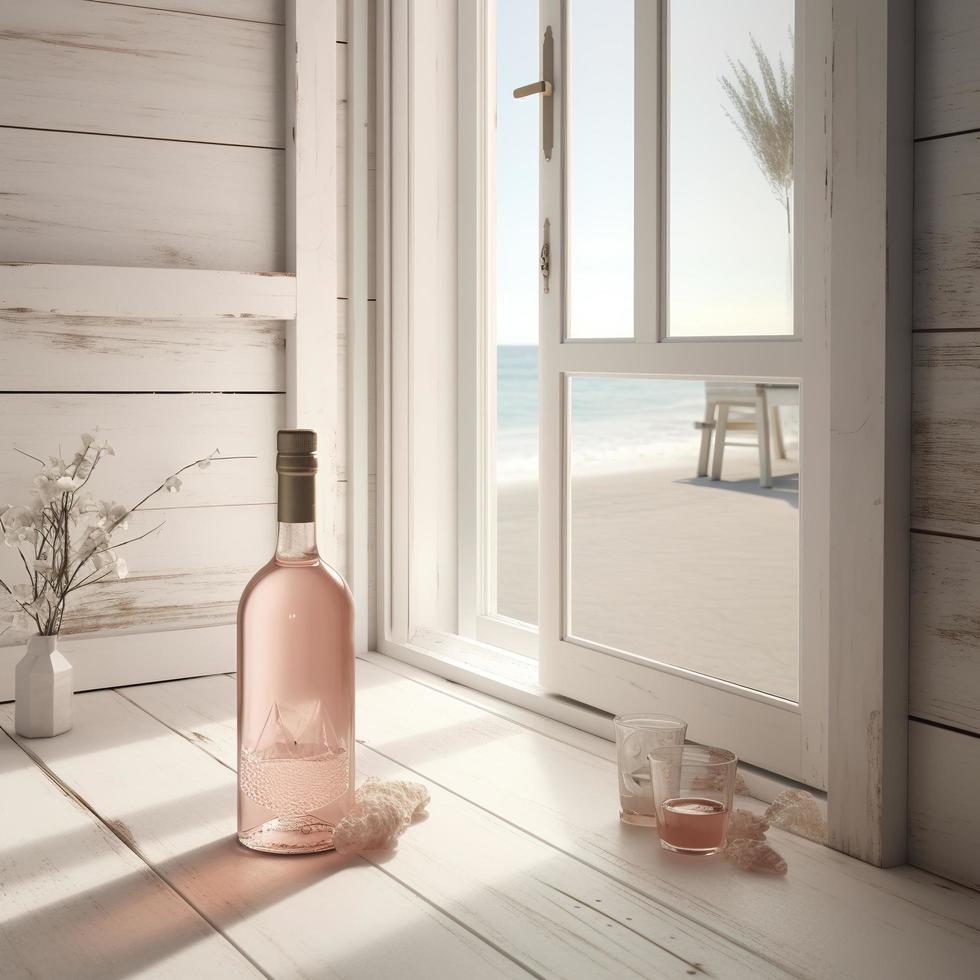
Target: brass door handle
(535,88)
(546,89)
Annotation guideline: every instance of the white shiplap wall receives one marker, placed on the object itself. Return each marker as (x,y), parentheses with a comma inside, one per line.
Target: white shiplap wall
(152,135)
(944,677)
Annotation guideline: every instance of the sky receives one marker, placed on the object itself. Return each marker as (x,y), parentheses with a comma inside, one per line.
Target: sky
(729,256)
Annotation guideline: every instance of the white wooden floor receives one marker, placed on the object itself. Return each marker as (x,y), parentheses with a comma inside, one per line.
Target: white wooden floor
(118,859)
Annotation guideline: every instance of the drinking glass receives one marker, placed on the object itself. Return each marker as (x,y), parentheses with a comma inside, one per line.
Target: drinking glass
(693,786)
(637,735)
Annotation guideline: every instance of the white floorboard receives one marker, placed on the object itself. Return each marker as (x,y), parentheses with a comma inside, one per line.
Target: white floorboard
(321,916)
(76,902)
(826,918)
(551,913)
(522,868)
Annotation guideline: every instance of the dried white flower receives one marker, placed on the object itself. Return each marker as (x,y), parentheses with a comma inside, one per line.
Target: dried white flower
(96,537)
(64,536)
(66,484)
(20,535)
(18,516)
(112,514)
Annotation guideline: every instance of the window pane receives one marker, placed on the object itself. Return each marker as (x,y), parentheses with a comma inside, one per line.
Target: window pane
(516,314)
(673,566)
(730,165)
(599,168)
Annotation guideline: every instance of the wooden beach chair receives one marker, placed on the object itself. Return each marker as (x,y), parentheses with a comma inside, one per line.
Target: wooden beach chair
(758,407)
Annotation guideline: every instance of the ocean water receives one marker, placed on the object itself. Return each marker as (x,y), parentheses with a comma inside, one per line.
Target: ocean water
(616,423)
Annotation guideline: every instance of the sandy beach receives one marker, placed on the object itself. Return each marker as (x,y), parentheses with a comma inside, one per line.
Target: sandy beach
(700,574)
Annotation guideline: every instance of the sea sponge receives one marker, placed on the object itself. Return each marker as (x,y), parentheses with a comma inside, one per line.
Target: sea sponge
(755,855)
(745,825)
(382,811)
(797,811)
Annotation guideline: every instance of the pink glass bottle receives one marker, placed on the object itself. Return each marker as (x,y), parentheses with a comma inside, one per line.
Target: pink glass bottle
(295,678)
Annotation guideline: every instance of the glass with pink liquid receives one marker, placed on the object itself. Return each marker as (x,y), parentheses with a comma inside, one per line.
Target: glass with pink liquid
(637,735)
(693,787)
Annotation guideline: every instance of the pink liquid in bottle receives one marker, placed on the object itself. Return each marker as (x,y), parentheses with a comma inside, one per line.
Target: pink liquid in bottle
(295,681)
(693,824)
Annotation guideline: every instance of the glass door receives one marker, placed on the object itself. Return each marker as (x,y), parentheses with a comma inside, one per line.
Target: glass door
(684,389)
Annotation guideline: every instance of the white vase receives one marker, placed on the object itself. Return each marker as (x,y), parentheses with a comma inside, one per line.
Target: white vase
(43,690)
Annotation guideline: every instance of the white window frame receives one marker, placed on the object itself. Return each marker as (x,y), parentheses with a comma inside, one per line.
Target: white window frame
(477,355)
(425,605)
(784,736)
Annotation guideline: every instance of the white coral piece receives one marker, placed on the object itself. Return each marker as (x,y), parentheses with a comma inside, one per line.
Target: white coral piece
(797,811)
(755,855)
(382,811)
(746,825)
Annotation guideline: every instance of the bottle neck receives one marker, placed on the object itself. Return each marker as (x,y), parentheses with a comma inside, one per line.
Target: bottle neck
(297,543)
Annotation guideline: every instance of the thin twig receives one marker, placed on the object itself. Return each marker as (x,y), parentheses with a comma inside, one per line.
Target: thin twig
(29,456)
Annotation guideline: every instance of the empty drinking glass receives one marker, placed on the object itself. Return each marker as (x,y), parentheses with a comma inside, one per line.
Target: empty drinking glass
(693,786)
(637,735)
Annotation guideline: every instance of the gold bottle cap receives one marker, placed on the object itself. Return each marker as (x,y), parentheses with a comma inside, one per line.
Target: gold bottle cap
(295,449)
(296,441)
(296,466)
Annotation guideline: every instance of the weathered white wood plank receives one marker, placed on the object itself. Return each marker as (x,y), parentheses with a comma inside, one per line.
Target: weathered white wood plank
(343,407)
(102,68)
(543,908)
(946,432)
(153,436)
(105,353)
(944,670)
(74,198)
(135,293)
(66,878)
(185,581)
(947,70)
(344,113)
(312,234)
(815,923)
(262,11)
(947,254)
(318,916)
(189,573)
(585,728)
(944,802)
(102,660)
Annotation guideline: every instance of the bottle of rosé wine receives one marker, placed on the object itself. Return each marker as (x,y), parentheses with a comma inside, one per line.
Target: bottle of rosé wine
(295,678)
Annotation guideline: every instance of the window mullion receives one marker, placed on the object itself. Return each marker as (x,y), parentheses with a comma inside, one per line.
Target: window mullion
(750,359)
